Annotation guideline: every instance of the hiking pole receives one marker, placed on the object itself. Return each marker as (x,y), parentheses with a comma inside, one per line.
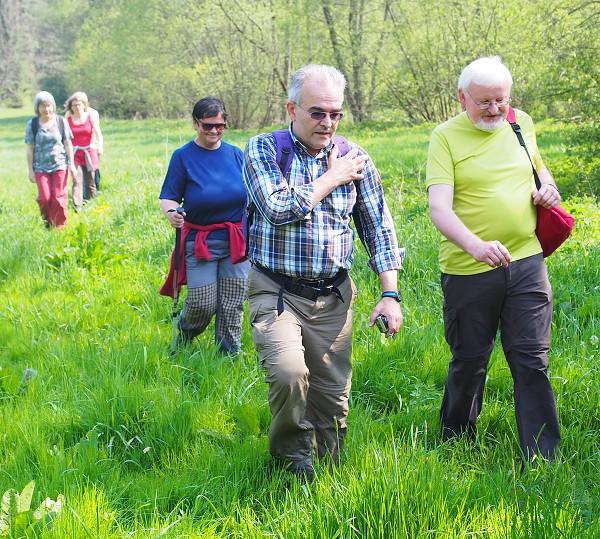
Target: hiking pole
(176,264)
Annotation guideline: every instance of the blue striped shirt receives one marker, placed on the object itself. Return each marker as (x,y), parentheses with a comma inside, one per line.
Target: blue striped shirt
(287,237)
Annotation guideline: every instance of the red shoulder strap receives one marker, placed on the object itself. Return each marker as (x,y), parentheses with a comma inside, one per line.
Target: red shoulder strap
(510,117)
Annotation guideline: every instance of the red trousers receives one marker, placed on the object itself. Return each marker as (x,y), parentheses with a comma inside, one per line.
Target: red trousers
(53,197)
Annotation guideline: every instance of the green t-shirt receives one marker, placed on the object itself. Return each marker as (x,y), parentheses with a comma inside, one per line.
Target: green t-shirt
(493,184)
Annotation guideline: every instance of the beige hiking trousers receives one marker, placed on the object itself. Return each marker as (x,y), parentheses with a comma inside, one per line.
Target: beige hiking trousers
(306,352)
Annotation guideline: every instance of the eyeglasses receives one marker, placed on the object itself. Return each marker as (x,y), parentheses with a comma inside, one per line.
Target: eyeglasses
(484,105)
(210,127)
(320,115)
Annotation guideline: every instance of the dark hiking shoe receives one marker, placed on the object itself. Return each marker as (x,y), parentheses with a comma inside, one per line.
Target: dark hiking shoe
(303,470)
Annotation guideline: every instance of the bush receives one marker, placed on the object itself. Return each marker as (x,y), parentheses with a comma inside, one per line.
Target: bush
(577,166)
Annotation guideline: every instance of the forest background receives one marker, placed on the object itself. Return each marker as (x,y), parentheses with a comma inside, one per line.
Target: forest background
(155,58)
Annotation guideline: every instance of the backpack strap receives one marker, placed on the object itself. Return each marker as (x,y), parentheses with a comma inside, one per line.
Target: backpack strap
(35,125)
(342,144)
(284,157)
(60,120)
(510,115)
(285,149)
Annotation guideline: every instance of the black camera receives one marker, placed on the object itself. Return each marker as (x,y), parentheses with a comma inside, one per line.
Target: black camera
(381,323)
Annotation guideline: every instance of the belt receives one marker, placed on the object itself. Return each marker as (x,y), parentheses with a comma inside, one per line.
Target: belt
(309,289)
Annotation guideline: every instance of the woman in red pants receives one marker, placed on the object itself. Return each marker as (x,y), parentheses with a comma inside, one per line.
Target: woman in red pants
(50,158)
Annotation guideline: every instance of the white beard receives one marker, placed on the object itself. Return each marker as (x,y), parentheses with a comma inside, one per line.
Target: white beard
(484,124)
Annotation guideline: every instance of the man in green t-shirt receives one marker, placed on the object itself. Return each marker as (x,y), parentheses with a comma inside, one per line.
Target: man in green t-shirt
(482,198)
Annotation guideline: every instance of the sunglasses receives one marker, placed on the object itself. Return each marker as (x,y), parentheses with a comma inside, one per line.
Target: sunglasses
(209,127)
(320,115)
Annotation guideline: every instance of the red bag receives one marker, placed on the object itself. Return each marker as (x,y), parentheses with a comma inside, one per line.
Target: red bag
(554,225)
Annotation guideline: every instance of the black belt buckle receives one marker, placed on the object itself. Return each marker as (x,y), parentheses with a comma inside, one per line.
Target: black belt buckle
(302,290)
(313,283)
(326,282)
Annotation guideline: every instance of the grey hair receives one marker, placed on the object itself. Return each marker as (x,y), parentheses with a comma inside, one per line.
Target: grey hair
(486,71)
(323,73)
(43,97)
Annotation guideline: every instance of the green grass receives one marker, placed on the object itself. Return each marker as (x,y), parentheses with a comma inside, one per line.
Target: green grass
(145,446)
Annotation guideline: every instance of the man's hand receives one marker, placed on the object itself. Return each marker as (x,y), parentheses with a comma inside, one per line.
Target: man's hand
(390,308)
(547,196)
(346,169)
(492,253)
(441,198)
(341,171)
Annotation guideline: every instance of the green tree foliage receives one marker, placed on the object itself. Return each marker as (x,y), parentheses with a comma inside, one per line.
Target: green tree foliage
(357,31)
(401,57)
(16,49)
(555,57)
(128,61)
(253,63)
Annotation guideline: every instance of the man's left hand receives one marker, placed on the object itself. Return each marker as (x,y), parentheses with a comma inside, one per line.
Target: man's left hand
(390,308)
(547,196)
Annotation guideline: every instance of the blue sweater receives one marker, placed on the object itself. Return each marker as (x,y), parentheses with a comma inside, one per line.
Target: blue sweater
(208,183)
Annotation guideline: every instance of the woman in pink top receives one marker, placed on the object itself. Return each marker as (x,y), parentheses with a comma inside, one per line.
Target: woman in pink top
(87,145)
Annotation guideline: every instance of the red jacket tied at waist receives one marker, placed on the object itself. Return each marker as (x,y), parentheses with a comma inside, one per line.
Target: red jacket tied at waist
(237,250)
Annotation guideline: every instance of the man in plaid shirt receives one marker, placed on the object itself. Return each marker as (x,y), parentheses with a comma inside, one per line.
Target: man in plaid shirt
(301,247)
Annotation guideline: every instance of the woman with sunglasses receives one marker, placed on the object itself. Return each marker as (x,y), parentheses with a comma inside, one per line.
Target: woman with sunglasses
(205,178)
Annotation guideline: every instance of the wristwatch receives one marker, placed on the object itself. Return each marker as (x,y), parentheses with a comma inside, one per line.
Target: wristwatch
(390,294)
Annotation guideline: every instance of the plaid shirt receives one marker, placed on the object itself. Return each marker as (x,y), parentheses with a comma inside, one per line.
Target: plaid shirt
(287,237)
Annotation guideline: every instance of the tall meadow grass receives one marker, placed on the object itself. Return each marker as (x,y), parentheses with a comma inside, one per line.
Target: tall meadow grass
(143,445)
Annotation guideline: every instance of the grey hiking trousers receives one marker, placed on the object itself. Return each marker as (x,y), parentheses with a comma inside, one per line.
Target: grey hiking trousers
(216,288)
